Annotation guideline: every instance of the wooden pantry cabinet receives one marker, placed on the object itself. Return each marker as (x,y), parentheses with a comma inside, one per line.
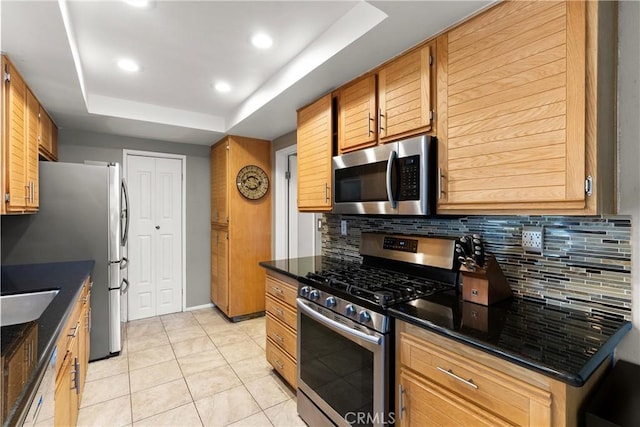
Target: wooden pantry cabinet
(443,382)
(281,325)
(526,109)
(314,145)
(240,226)
(27,131)
(389,103)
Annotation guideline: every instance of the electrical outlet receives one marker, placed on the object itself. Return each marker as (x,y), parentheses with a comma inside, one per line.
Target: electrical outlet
(532,239)
(343,227)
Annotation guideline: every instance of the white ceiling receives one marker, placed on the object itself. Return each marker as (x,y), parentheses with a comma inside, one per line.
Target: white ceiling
(67,52)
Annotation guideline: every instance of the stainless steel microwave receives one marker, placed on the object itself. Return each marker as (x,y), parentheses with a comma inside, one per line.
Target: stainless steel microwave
(396,178)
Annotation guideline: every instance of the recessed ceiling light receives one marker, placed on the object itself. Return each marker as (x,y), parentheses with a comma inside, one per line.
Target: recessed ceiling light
(138,3)
(262,41)
(128,65)
(223,87)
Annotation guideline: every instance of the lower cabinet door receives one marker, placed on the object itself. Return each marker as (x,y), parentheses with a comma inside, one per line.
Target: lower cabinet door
(65,393)
(422,403)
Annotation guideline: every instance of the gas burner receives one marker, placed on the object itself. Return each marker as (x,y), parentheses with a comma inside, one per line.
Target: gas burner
(378,286)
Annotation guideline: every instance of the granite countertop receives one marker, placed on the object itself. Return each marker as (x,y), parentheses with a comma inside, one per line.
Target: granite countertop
(565,344)
(68,277)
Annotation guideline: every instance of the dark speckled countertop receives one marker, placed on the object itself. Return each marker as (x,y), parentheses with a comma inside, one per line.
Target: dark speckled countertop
(68,277)
(562,343)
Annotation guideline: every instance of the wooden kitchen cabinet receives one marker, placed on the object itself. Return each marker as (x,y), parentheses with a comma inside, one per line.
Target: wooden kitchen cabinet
(17,364)
(357,123)
(47,136)
(315,150)
(393,102)
(72,360)
(240,227)
(219,184)
(405,100)
(23,122)
(526,110)
(443,382)
(281,325)
(220,267)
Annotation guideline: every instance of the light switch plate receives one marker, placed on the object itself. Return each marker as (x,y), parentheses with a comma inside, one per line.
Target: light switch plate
(343,227)
(533,239)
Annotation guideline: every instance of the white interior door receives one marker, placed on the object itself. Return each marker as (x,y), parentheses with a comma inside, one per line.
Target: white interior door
(302,227)
(155,239)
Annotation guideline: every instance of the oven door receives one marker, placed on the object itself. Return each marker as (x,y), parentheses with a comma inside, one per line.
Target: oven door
(343,370)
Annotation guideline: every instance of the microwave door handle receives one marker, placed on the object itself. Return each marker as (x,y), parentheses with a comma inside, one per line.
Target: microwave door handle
(392,157)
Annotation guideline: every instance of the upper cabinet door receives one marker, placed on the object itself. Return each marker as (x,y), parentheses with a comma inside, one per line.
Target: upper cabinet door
(314,156)
(31,150)
(15,137)
(404,94)
(357,126)
(512,85)
(219,182)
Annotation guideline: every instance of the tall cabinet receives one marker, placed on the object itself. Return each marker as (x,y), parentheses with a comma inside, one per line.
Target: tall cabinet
(240,224)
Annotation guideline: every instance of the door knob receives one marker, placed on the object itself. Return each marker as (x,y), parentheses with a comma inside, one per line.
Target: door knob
(157,227)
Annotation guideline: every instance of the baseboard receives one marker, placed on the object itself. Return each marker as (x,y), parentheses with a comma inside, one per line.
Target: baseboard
(199,307)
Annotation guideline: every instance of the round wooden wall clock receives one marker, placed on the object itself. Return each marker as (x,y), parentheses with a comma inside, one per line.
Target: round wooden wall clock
(252,182)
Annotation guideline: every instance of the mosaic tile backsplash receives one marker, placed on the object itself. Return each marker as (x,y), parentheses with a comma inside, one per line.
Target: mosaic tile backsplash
(585,264)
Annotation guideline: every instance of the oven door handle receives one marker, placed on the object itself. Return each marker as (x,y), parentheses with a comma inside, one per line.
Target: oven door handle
(336,325)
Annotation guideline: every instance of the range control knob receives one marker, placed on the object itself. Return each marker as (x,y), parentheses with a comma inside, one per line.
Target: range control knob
(330,302)
(350,310)
(304,291)
(365,317)
(314,295)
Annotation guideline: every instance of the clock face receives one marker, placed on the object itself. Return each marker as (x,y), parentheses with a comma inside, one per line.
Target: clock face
(252,182)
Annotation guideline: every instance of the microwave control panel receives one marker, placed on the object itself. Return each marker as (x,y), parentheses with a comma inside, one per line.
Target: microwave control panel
(409,178)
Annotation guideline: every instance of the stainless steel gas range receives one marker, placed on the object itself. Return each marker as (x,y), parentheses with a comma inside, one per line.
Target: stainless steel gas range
(345,348)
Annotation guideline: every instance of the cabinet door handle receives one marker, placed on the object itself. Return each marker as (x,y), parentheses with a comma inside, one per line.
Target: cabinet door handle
(326,192)
(370,119)
(440,183)
(75,330)
(76,375)
(449,372)
(400,401)
(380,116)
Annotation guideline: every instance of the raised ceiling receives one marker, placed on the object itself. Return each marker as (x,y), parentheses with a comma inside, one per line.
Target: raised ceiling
(68,51)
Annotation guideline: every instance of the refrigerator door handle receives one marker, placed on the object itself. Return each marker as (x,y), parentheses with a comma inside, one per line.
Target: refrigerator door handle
(124,263)
(124,287)
(125,213)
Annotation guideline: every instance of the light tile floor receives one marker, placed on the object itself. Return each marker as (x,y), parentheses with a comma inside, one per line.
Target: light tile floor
(188,369)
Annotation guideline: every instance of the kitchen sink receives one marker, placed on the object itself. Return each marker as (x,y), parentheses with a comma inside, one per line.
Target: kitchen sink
(24,307)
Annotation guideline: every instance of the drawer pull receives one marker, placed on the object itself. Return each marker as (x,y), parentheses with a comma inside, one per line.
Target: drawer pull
(75,330)
(277,290)
(278,338)
(279,311)
(449,372)
(278,364)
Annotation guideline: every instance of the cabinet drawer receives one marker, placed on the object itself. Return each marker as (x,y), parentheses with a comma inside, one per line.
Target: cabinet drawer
(282,363)
(501,394)
(282,312)
(281,290)
(69,332)
(425,403)
(281,335)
